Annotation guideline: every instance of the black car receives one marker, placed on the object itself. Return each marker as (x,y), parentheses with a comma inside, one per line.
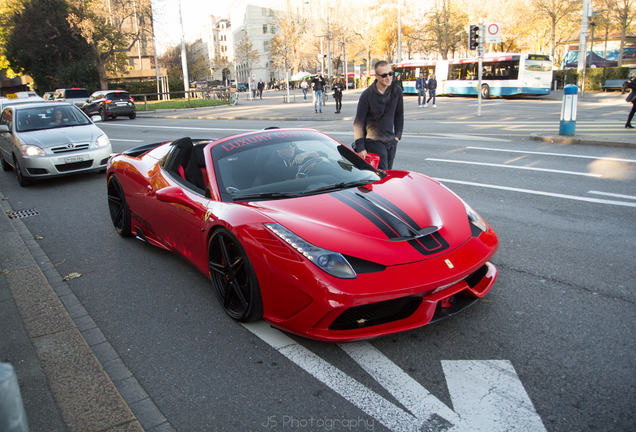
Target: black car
(110,104)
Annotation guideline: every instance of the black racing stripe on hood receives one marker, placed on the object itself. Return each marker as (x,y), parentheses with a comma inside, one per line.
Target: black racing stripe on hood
(360,206)
(392,227)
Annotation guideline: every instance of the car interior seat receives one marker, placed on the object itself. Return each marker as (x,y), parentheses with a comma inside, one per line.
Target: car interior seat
(180,156)
(195,169)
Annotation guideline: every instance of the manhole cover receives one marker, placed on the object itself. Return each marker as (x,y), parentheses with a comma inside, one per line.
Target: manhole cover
(22,213)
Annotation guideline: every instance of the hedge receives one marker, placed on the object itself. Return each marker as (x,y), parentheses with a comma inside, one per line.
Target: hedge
(594,77)
(141,87)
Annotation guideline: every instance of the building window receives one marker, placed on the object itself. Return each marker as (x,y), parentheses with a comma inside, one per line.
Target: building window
(272,29)
(264,28)
(131,62)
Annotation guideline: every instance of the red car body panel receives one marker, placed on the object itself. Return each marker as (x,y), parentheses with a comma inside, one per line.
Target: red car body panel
(298,296)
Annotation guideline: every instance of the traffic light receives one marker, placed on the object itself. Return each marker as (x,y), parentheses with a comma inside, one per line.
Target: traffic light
(473,38)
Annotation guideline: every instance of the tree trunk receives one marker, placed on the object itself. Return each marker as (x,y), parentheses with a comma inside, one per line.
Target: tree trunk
(620,53)
(101,68)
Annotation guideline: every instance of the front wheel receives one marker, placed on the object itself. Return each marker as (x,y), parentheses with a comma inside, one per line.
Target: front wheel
(233,277)
(118,207)
(19,174)
(103,115)
(485,91)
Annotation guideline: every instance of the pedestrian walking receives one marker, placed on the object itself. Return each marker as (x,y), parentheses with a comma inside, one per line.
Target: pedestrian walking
(379,118)
(318,84)
(261,86)
(631,84)
(337,88)
(304,86)
(420,86)
(432,86)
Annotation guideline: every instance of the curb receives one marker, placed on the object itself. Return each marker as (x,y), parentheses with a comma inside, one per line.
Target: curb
(90,384)
(589,140)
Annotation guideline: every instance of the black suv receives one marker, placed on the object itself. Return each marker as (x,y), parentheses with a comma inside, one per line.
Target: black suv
(110,104)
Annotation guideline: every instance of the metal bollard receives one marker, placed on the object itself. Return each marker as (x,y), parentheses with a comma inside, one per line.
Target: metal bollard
(12,416)
(568,110)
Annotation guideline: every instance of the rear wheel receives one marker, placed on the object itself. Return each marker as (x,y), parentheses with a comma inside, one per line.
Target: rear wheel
(118,207)
(19,174)
(5,165)
(233,277)
(485,91)
(132,116)
(103,115)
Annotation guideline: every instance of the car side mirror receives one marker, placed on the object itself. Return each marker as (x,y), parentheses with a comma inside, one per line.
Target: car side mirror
(4,129)
(174,194)
(96,118)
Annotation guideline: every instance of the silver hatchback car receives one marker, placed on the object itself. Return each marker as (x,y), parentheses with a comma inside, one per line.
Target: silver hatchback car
(50,139)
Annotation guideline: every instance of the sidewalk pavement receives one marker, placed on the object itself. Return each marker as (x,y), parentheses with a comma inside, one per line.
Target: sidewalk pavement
(70,377)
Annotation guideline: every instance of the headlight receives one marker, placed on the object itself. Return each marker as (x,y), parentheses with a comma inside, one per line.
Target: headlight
(473,216)
(31,150)
(102,141)
(331,262)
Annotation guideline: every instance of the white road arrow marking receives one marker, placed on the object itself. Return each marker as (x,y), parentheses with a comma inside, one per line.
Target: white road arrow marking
(487,394)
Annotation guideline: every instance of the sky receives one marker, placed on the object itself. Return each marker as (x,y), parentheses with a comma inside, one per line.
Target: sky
(194,13)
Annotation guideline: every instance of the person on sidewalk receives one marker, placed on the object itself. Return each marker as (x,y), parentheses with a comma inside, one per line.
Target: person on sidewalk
(420,86)
(432,86)
(379,118)
(337,88)
(631,84)
(304,86)
(261,86)
(318,85)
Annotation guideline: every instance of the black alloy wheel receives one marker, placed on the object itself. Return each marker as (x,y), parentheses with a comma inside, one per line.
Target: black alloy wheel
(22,180)
(132,116)
(233,277)
(119,211)
(5,165)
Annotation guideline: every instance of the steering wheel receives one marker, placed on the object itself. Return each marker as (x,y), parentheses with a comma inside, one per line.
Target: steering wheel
(306,166)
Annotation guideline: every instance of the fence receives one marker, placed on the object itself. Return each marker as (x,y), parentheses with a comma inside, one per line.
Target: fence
(219,93)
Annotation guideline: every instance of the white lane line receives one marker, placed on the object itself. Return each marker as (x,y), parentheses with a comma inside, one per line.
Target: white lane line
(612,195)
(533,192)
(553,154)
(125,140)
(514,167)
(179,127)
(485,392)
(392,417)
(411,394)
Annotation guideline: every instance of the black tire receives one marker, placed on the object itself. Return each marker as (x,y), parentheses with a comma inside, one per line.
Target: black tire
(132,116)
(233,277)
(19,175)
(485,91)
(103,115)
(5,165)
(118,207)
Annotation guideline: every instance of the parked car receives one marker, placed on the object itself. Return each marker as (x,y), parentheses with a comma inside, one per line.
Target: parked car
(49,139)
(328,247)
(76,96)
(110,104)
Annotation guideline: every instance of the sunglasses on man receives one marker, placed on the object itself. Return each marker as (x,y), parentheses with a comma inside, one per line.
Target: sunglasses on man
(385,74)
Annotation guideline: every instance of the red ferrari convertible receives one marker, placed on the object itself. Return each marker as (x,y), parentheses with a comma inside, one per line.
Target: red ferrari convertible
(294,228)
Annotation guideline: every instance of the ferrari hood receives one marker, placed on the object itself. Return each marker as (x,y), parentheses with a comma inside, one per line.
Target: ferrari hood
(401,220)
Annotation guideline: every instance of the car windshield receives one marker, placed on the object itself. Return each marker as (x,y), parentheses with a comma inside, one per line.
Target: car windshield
(275,164)
(118,96)
(76,94)
(38,118)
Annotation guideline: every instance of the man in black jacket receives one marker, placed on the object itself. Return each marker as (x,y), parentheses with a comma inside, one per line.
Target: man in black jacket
(380,117)
(318,84)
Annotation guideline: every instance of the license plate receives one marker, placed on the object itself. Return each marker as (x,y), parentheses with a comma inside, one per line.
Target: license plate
(122,103)
(71,159)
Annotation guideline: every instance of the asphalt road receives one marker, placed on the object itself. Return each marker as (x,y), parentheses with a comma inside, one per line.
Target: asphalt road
(558,326)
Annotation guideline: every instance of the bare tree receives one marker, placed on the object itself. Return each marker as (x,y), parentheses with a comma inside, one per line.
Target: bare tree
(245,54)
(622,11)
(555,11)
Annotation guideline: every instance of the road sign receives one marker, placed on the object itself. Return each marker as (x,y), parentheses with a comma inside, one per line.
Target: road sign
(493,33)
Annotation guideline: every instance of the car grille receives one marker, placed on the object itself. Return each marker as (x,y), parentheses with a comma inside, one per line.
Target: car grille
(376,313)
(74,166)
(69,148)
